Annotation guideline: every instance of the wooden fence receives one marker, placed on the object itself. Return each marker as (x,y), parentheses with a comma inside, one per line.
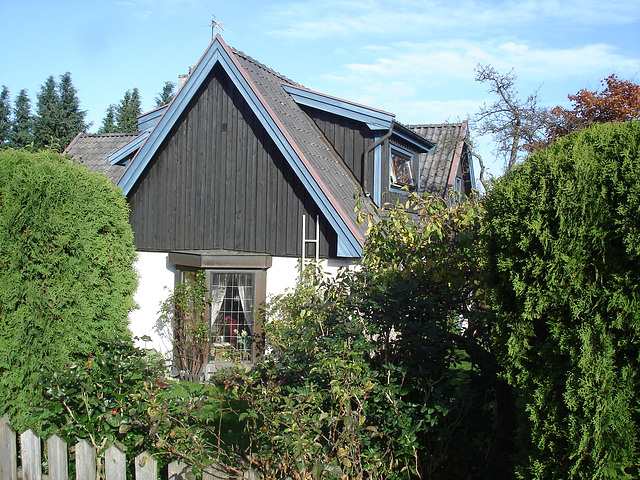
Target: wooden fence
(113,462)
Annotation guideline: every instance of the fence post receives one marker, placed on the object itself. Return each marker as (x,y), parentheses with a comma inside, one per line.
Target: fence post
(31,450)
(85,461)
(57,454)
(146,467)
(115,464)
(8,451)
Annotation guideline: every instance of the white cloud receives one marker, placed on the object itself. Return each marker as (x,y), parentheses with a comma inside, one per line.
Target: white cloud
(331,18)
(442,62)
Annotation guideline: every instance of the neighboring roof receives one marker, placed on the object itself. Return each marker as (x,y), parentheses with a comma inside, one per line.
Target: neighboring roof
(320,170)
(93,150)
(438,167)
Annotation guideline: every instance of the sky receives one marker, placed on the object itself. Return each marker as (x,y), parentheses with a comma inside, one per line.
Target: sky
(412,58)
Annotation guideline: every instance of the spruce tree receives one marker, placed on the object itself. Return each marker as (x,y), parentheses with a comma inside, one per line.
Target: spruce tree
(109,121)
(5,116)
(128,110)
(166,95)
(71,117)
(48,116)
(22,127)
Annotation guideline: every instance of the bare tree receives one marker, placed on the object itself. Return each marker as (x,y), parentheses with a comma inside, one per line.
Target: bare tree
(515,124)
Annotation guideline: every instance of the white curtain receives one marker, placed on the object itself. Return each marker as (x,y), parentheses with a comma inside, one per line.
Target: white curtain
(218,290)
(245,288)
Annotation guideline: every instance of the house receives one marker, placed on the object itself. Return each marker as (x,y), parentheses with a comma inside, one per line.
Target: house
(244,173)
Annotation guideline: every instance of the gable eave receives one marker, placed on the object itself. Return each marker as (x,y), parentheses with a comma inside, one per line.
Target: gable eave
(350,242)
(373,118)
(122,154)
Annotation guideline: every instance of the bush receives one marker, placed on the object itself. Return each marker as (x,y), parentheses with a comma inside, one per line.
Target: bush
(374,375)
(120,396)
(562,238)
(66,271)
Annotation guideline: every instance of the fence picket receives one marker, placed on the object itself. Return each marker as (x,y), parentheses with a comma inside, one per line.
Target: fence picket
(57,454)
(8,451)
(85,461)
(216,472)
(115,464)
(177,470)
(250,475)
(115,461)
(31,450)
(146,467)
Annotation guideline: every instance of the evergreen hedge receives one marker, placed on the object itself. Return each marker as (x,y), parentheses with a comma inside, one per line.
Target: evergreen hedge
(562,236)
(66,271)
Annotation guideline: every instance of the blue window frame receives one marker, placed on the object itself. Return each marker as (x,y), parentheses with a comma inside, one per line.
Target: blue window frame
(401,169)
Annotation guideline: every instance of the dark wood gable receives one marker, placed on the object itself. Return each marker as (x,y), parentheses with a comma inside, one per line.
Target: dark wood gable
(219,182)
(349,138)
(352,138)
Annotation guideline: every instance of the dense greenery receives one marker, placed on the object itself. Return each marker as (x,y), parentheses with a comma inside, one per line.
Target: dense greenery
(119,396)
(5,116)
(22,125)
(563,250)
(382,380)
(66,270)
(123,116)
(59,118)
(167,94)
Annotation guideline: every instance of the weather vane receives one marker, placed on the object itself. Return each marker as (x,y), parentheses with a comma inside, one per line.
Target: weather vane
(215,24)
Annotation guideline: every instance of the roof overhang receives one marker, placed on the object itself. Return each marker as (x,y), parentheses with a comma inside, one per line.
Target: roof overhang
(119,157)
(218,53)
(418,141)
(375,119)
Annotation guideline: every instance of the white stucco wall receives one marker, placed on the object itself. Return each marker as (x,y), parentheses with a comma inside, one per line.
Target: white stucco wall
(157,279)
(284,272)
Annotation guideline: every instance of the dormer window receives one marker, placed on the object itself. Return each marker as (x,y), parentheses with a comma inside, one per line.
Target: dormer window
(400,169)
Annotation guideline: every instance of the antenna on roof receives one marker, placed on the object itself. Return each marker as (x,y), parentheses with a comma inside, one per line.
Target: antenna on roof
(215,24)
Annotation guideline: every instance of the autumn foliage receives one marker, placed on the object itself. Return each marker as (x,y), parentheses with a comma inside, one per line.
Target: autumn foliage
(619,101)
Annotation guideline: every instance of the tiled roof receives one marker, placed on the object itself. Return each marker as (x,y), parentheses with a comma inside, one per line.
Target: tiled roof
(436,166)
(333,175)
(93,150)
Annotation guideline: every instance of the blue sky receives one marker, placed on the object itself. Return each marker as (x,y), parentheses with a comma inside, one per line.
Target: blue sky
(413,58)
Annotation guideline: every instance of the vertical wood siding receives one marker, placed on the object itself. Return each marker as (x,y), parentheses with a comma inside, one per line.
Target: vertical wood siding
(348,137)
(219,182)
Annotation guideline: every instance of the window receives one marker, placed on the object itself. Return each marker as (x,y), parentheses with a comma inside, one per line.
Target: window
(232,319)
(457,186)
(237,285)
(400,169)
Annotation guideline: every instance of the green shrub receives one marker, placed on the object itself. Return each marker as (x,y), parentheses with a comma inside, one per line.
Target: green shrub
(373,376)
(66,271)
(120,396)
(562,236)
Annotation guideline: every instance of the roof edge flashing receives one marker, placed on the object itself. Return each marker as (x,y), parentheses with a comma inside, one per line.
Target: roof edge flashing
(374,119)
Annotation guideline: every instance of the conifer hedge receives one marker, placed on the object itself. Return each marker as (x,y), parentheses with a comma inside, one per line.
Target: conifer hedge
(562,238)
(66,270)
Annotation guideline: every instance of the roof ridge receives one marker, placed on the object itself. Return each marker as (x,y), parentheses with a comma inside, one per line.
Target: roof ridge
(114,134)
(264,67)
(446,124)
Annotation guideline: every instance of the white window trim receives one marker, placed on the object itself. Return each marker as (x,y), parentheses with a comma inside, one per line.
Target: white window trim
(398,187)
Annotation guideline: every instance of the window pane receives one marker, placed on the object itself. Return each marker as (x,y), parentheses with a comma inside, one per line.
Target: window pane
(232,313)
(401,169)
